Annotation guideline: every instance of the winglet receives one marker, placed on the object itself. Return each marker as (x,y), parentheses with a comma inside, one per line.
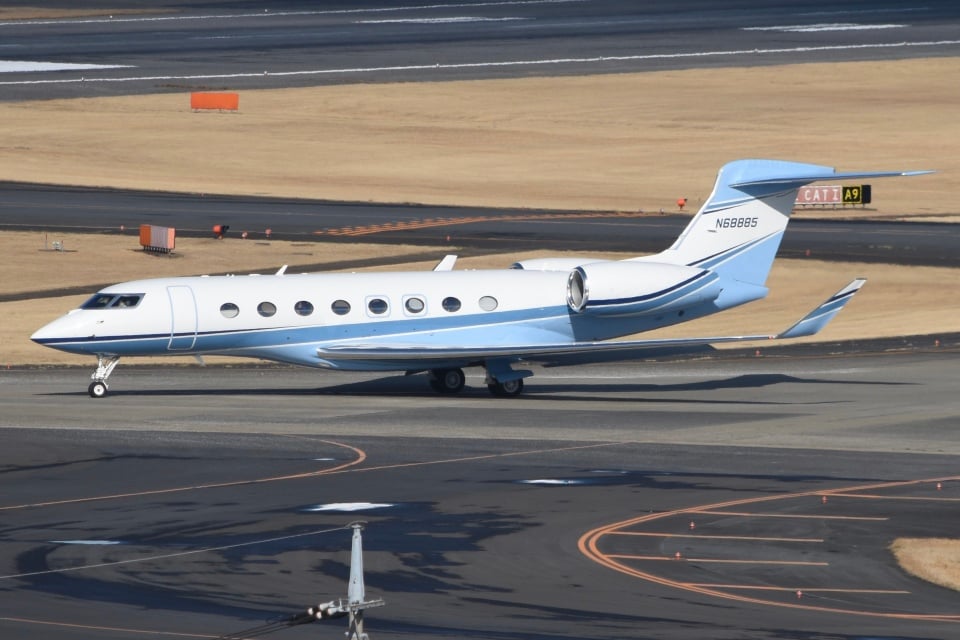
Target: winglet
(819,317)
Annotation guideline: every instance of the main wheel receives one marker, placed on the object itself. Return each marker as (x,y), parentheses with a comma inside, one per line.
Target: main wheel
(447,381)
(97,389)
(506,389)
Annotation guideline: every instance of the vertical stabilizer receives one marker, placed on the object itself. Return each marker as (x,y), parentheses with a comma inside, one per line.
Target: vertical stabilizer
(738,231)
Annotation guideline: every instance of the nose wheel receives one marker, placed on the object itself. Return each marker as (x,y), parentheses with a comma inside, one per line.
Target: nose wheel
(105,365)
(97,389)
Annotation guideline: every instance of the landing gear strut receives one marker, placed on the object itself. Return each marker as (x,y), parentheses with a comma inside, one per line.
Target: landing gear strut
(447,381)
(105,365)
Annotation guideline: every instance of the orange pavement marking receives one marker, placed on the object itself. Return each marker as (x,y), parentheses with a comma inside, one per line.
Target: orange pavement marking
(707,537)
(589,546)
(618,556)
(783,515)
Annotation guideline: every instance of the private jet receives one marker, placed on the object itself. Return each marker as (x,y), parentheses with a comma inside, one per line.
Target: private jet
(563,310)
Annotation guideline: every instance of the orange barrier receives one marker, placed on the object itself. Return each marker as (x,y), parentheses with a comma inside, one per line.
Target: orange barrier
(221,101)
(157,239)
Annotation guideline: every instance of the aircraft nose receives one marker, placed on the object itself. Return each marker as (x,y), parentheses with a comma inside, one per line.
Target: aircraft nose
(63,327)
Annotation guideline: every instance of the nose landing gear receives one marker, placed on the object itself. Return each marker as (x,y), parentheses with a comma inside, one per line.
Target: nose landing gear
(105,365)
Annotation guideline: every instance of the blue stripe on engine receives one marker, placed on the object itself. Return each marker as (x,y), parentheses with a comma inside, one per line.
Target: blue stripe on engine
(648,296)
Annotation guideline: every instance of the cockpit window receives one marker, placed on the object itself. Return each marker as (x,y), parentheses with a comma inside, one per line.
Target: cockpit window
(113,301)
(126,301)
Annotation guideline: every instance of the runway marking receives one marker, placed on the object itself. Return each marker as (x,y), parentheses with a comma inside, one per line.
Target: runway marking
(833,26)
(719,560)
(27,66)
(652,534)
(450,20)
(749,514)
(494,64)
(589,546)
(868,496)
(284,14)
(361,456)
(882,592)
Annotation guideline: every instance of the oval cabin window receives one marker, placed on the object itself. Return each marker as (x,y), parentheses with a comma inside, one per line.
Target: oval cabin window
(488,303)
(266,309)
(303,308)
(414,305)
(378,306)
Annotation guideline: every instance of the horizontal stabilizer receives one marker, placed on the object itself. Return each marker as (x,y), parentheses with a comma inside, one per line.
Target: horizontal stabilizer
(819,317)
(824,173)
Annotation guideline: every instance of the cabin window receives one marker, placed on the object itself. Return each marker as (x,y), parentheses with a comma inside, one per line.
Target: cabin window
(451,304)
(378,306)
(340,307)
(229,310)
(303,308)
(488,303)
(414,305)
(266,309)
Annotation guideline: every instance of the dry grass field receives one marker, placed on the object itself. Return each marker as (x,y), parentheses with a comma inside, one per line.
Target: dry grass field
(609,142)
(935,560)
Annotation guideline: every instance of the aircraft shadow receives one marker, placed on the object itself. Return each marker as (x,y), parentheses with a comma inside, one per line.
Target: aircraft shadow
(416,386)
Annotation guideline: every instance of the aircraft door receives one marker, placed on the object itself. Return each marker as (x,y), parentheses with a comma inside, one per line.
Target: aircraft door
(183,318)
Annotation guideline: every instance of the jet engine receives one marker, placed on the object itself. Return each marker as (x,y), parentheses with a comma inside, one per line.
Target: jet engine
(638,288)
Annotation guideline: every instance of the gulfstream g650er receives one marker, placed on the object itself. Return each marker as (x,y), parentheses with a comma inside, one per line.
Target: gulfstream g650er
(440,321)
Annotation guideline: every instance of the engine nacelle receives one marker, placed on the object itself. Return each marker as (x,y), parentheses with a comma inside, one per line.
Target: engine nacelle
(638,288)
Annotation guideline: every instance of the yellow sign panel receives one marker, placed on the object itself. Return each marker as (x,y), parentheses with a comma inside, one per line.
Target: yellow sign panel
(856,194)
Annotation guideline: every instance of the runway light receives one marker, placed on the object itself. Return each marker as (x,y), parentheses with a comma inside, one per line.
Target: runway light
(823,499)
(799,594)
(693,525)
(939,486)
(677,556)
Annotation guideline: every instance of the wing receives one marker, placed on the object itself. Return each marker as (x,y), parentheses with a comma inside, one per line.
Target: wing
(427,355)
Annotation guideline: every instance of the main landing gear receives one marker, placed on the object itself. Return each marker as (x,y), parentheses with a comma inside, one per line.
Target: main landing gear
(451,381)
(105,365)
(447,381)
(506,389)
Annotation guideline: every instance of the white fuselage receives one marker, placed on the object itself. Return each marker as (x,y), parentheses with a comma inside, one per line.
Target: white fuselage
(287,318)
